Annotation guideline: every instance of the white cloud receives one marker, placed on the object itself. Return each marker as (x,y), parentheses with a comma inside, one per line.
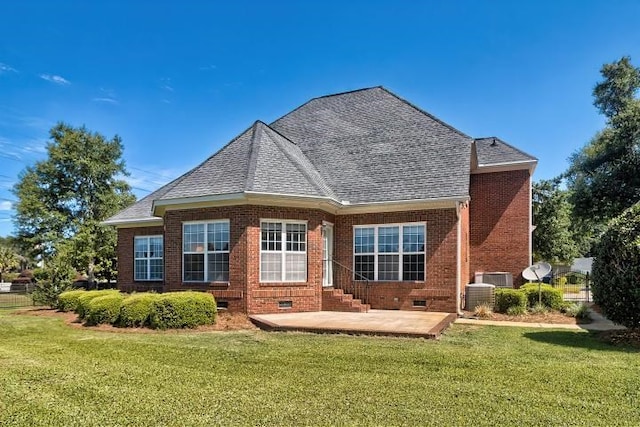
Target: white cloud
(106,100)
(5,205)
(208,68)
(59,80)
(4,68)
(167,87)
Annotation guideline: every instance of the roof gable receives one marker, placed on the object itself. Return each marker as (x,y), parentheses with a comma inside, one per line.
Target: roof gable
(494,151)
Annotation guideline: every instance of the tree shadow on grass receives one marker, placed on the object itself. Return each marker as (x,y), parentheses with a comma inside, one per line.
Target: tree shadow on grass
(590,340)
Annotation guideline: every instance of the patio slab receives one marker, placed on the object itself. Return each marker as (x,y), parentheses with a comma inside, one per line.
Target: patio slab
(375,322)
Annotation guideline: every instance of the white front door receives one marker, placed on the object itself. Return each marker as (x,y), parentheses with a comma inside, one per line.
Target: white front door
(327,255)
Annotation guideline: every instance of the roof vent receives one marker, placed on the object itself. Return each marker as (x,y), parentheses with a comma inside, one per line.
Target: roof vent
(494,142)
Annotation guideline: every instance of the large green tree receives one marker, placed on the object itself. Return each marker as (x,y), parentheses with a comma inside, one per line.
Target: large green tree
(603,176)
(553,237)
(8,260)
(63,199)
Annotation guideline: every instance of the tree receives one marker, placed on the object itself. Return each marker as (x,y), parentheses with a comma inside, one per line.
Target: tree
(8,260)
(616,269)
(603,176)
(553,239)
(63,199)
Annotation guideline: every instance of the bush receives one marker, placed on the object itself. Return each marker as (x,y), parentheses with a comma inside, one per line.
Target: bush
(516,310)
(48,292)
(103,309)
(579,311)
(68,301)
(539,308)
(183,310)
(483,311)
(85,299)
(136,309)
(507,298)
(551,297)
(616,269)
(575,278)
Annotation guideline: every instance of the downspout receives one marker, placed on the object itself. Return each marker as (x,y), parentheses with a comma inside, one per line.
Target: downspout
(458,260)
(530,220)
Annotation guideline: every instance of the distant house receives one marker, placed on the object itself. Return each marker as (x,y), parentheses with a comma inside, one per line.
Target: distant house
(354,193)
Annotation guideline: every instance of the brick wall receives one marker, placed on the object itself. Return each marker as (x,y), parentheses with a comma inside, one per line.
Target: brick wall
(499,222)
(244,292)
(125,248)
(439,287)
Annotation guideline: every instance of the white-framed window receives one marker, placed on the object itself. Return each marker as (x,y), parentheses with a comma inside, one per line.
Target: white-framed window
(147,258)
(389,252)
(283,251)
(205,251)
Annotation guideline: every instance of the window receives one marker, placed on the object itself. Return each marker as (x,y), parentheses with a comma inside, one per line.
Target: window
(206,251)
(389,252)
(148,258)
(283,251)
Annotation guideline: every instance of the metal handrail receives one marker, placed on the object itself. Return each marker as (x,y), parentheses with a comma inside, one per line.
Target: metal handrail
(355,287)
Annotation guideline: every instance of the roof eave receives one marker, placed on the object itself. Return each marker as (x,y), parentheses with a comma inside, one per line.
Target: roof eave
(506,166)
(133,222)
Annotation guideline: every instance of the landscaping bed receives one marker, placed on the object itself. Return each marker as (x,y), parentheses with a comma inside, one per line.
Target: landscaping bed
(552,317)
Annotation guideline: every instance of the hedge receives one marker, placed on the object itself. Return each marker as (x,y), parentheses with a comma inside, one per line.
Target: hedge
(68,301)
(183,310)
(136,309)
(84,299)
(104,309)
(506,298)
(551,297)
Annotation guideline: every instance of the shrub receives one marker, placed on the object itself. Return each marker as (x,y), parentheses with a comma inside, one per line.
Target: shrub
(616,269)
(575,278)
(483,311)
(48,292)
(579,311)
(86,297)
(103,309)
(183,310)
(68,301)
(507,298)
(516,310)
(539,308)
(136,309)
(551,297)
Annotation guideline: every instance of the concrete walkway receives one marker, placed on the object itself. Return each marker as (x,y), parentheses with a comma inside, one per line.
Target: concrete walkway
(375,322)
(598,323)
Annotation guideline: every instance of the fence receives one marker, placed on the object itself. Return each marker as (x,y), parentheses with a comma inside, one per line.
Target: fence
(12,298)
(575,286)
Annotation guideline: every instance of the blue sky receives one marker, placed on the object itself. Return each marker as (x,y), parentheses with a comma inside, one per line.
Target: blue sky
(177,80)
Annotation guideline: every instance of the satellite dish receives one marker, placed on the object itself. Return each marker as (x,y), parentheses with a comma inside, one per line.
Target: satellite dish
(536,271)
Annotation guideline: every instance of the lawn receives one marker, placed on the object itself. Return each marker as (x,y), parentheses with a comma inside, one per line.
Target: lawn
(52,374)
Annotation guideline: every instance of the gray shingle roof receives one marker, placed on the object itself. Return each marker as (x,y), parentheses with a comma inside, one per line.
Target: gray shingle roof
(364,146)
(371,146)
(492,150)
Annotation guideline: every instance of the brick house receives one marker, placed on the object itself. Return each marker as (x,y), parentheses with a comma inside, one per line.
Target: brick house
(350,201)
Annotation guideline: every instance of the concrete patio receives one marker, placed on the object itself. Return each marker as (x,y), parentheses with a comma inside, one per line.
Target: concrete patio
(375,322)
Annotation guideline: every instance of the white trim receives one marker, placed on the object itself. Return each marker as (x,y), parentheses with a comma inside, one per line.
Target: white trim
(283,249)
(205,251)
(506,166)
(400,252)
(148,258)
(459,262)
(531,226)
(134,222)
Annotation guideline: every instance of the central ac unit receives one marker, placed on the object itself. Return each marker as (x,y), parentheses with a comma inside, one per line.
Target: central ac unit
(500,279)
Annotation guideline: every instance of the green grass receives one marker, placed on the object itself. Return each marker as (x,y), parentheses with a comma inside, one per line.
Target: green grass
(53,374)
(10,300)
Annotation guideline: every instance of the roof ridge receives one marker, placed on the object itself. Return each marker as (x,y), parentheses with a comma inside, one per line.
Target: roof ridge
(253,156)
(321,97)
(431,116)
(508,145)
(322,185)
